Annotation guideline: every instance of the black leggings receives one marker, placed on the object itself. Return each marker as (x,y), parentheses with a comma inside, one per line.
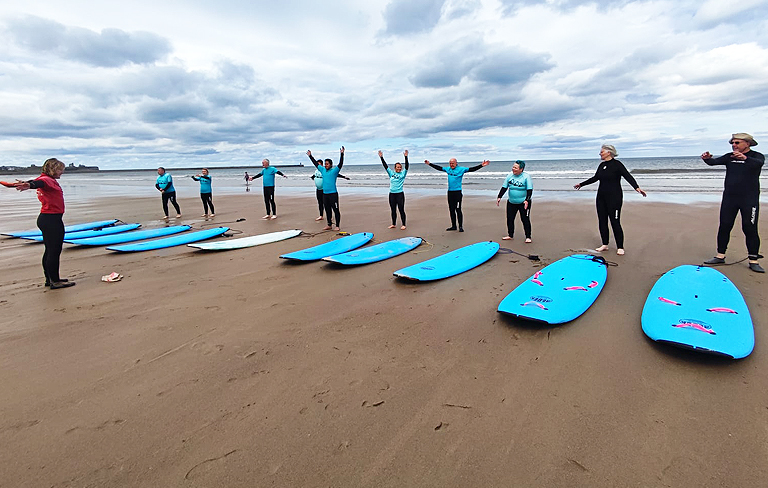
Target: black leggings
(525,216)
(207,199)
(609,208)
(750,211)
(397,202)
(319,195)
(269,200)
(454,207)
(52,227)
(170,195)
(331,204)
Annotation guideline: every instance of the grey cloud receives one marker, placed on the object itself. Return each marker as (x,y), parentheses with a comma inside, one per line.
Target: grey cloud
(496,64)
(404,17)
(511,6)
(173,111)
(109,48)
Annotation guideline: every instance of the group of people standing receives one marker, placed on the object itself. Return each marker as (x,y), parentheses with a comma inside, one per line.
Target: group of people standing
(741,195)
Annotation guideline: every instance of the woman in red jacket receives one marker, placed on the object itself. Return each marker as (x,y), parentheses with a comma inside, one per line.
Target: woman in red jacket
(50,219)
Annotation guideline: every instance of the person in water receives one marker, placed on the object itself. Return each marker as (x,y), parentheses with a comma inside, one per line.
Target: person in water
(520,187)
(317,177)
(396,195)
(247,182)
(610,196)
(269,172)
(50,221)
(455,176)
(741,194)
(330,194)
(206,195)
(164,184)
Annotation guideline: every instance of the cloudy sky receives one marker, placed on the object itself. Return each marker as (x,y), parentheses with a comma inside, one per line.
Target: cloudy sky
(203,82)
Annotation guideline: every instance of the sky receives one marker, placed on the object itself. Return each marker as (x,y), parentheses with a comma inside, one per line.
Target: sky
(177,83)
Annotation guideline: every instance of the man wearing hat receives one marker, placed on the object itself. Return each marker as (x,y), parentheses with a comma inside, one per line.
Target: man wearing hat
(741,194)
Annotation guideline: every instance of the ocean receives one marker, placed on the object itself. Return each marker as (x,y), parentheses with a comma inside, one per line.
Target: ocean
(668,179)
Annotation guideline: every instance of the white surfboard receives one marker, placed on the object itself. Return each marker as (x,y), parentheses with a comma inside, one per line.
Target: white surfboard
(244,242)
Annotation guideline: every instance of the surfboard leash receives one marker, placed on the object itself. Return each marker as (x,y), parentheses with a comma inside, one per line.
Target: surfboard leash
(424,241)
(532,257)
(729,264)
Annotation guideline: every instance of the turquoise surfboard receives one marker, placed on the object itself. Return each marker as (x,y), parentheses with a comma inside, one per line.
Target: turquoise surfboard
(699,308)
(139,235)
(172,241)
(450,264)
(379,252)
(559,292)
(330,248)
(69,228)
(105,231)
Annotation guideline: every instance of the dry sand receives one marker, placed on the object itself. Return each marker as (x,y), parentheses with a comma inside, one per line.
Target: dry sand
(238,369)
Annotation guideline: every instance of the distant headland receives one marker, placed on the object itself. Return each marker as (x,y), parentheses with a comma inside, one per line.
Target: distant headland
(80,168)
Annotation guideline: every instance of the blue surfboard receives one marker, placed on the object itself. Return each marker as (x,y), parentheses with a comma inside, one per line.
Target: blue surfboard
(139,235)
(172,241)
(699,308)
(559,292)
(330,248)
(105,231)
(450,264)
(69,228)
(379,252)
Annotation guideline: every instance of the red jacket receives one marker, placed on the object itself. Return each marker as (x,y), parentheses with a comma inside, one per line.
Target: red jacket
(49,193)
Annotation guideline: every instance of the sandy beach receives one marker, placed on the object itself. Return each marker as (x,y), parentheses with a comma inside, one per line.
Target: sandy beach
(239,369)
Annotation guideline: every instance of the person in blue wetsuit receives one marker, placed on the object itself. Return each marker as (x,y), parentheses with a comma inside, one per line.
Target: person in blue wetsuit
(610,196)
(269,172)
(741,194)
(164,185)
(206,194)
(396,195)
(520,187)
(330,194)
(317,177)
(455,176)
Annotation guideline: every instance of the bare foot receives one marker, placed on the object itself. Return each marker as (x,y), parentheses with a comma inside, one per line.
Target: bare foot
(402,227)
(327,227)
(391,226)
(266,217)
(274,217)
(336,228)
(620,252)
(528,240)
(213,215)
(178,216)
(506,238)
(204,215)
(602,248)
(319,218)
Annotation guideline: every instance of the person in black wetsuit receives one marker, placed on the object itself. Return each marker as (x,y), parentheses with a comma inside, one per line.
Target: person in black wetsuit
(610,196)
(164,185)
(455,176)
(741,193)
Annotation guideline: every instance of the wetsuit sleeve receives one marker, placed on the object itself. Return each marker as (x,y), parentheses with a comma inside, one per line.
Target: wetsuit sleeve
(205,178)
(314,161)
(406,163)
(589,181)
(279,173)
(502,191)
(258,175)
(754,160)
(721,161)
(528,194)
(168,185)
(157,186)
(627,176)
(342,176)
(341,161)
(313,177)
(474,168)
(439,168)
(384,163)
(195,178)
(35,184)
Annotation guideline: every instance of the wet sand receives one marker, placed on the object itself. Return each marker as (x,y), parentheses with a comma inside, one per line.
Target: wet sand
(238,369)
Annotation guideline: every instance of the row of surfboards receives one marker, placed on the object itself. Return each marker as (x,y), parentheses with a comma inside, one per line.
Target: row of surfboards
(692,307)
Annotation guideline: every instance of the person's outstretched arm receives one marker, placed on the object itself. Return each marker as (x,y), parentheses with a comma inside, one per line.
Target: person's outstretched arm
(479,166)
(311,158)
(405,154)
(383,163)
(439,168)
(280,173)
(341,157)
(588,181)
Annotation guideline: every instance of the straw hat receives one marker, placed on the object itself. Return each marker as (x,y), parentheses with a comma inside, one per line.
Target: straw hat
(743,136)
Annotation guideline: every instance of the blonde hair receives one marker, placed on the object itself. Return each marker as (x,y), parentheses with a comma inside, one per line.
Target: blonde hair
(51,166)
